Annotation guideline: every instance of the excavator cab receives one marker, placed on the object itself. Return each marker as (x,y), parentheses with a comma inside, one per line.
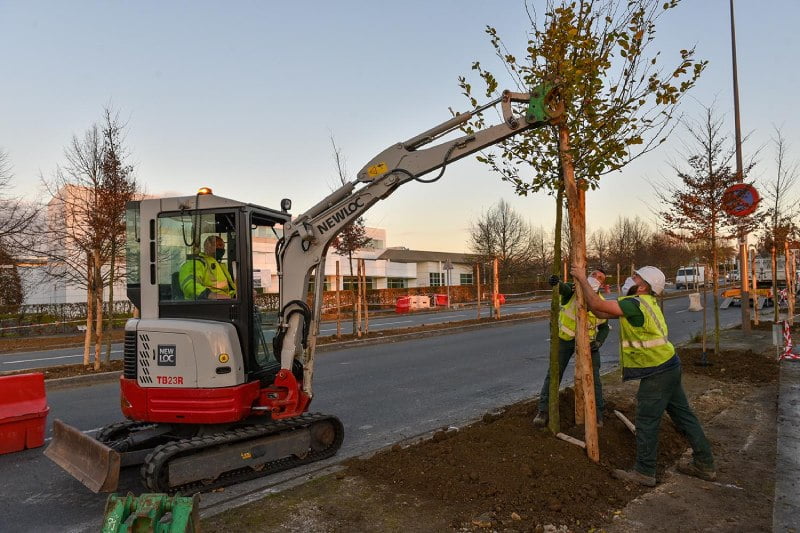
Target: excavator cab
(204,263)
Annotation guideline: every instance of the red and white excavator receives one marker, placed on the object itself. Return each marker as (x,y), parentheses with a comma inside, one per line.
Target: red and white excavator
(209,399)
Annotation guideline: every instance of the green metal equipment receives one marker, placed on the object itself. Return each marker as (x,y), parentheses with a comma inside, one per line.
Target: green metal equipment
(151,513)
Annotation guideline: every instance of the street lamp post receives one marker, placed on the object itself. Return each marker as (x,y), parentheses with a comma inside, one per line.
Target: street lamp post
(745,294)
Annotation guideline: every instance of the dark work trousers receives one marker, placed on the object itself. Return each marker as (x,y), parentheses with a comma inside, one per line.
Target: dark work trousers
(659,393)
(565,351)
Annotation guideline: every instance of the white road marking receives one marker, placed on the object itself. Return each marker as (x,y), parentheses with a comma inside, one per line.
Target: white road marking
(87,432)
(50,358)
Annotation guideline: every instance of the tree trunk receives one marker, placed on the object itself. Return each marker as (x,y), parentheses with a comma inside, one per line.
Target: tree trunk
(98,295)
(495,290)
(478,287)
(354,292)
(87,338)
(554,415)
(789,308)
(110,327)
(338,305)
(358,297)
(775,309)
(584,380)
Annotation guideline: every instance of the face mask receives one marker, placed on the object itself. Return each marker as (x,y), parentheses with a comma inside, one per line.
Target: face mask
(628,286)
(219,254)
(594,283)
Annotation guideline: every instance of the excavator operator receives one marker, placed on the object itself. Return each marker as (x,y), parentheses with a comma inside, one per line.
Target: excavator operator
(204,277)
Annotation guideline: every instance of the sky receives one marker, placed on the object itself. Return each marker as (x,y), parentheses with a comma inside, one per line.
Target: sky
(244,97)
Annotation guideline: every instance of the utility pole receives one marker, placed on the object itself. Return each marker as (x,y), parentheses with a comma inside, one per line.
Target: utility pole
(745,294)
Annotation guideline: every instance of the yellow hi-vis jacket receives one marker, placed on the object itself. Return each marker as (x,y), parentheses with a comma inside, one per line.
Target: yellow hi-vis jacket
(646,346)
(201,273)
(567,320)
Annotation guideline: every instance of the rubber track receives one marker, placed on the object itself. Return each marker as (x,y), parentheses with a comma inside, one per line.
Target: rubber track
(157,462)
(119,430)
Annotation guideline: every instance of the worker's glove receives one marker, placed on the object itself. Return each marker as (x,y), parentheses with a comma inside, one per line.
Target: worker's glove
(553,280)
(594,346)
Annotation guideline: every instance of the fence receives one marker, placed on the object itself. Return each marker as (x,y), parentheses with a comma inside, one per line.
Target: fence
(52,319)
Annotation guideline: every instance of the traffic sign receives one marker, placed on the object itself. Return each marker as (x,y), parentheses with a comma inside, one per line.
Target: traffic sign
(740,200)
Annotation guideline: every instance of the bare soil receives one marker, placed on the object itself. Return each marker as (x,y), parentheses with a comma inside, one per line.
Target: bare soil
(502,474)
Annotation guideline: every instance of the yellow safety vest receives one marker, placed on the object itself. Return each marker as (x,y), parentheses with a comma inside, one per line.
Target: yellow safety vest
(567,320)
(203,272)
(646,346)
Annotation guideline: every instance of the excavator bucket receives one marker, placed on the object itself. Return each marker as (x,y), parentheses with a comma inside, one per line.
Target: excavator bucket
(89,461)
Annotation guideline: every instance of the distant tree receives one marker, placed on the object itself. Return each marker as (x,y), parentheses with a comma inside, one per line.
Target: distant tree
(693,208)
(628,240)
(502,233)
(353,236)
(16,215)
(10,284)
(541,257)
(599,249)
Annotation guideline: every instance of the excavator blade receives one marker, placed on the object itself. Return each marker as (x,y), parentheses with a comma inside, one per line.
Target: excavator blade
(89,461)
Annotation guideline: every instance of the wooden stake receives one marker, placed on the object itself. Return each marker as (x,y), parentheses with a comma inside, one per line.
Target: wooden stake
(364,294)
(495,290)
(478,286)
(576,200)
(755,289)
(358,298)
(625,421)
(789,307)
(338,306)
(571,440)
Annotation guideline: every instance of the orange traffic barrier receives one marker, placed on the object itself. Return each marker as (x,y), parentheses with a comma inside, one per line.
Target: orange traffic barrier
(403,305)
(23,412)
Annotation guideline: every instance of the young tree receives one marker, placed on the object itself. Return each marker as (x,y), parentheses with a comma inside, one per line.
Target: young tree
(501,232)
(353,236)
(117,187)
(618,104)
(82,224)
(694,206)
(781,206)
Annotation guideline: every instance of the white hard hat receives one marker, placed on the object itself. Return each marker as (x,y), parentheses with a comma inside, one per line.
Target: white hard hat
(654,277)
(594,283)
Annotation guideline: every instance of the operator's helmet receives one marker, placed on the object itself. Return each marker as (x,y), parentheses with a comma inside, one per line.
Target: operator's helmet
(654,277)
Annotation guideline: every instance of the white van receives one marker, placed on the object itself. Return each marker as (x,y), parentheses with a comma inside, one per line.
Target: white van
(689,277)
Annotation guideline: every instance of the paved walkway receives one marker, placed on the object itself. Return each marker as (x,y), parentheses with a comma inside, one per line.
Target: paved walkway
(786,511)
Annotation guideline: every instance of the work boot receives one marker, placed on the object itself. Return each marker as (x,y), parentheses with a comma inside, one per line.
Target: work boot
(634,476)
(541,419)
(690,468)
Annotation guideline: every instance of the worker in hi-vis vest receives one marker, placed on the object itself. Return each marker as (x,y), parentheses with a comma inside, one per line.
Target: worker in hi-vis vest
(647,355)
(204,277)
(567,322)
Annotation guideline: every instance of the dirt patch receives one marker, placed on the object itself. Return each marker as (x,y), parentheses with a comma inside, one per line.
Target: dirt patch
(501,474)
(737,366)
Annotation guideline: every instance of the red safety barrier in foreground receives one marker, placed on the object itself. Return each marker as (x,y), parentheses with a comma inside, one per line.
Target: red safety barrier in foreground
(23,412)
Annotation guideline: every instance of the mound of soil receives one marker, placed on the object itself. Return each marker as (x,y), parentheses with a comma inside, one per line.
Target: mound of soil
(502,472)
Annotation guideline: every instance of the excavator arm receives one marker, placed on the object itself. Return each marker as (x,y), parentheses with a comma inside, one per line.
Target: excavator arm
(302,249)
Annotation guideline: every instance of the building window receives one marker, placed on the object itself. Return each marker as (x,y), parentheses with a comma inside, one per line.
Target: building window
(349,283)
(436,279)
(466,279)
(397,283)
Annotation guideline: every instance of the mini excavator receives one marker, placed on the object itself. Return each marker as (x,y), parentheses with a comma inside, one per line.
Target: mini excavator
(213,391)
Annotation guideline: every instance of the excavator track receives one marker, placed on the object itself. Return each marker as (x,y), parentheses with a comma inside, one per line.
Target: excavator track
(325,433)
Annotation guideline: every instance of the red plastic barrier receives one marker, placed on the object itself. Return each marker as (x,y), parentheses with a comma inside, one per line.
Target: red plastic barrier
(501,299)
(23,412)
(403,305)
(440,299)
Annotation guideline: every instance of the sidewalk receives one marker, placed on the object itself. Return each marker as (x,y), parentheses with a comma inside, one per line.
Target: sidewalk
(786,511)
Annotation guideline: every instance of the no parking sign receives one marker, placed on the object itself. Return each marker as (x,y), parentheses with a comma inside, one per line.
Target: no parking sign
(740,200)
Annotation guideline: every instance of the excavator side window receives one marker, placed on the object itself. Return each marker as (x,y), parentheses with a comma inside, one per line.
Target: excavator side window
(263,238)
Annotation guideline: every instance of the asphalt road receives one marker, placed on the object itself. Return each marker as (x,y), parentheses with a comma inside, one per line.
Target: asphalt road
(65,356)
(383,394)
